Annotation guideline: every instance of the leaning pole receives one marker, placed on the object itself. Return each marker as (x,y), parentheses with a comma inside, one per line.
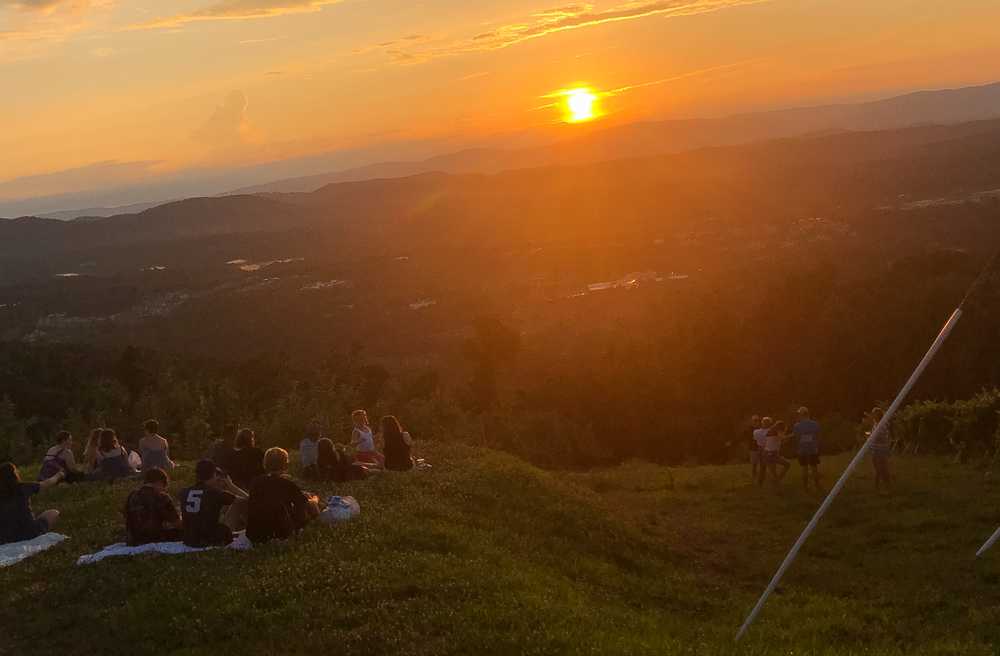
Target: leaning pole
(835,490)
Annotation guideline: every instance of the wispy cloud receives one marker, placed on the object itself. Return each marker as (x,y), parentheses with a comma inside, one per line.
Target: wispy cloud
(29,27)
(550,21)
(234,10)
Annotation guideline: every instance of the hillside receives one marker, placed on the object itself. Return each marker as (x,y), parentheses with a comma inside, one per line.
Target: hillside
(487,555)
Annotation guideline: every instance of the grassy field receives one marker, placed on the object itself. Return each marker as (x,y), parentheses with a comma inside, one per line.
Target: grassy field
(488,555)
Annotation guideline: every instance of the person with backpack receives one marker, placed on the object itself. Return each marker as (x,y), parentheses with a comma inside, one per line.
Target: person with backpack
(60,458)
(397,443)
(150,513)
(203,505)
(278,508)
(17,521)
(113,460)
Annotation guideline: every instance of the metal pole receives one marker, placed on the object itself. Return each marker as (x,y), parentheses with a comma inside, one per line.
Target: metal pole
(989,543)
(886,419)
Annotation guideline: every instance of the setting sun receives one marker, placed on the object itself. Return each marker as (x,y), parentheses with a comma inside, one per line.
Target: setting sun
(580,105)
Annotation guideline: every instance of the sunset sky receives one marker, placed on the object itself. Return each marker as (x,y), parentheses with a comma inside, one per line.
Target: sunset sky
(151,87)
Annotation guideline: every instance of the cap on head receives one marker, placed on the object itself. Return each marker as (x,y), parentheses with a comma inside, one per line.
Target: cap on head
(205,470)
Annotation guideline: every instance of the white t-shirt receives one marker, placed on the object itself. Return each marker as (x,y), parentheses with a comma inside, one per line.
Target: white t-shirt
(364,440)
(760,436)
(772,443)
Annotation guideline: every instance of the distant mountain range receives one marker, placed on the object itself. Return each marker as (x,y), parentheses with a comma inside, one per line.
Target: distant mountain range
(843,173)
(597,144)
(946,106)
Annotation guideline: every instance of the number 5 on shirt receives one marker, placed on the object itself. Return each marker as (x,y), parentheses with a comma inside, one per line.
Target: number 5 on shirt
(194,501)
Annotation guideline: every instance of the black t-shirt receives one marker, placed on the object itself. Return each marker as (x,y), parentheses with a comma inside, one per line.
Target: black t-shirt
(202,505)
(147,512)
(16,519)
(277,508)
(245,465)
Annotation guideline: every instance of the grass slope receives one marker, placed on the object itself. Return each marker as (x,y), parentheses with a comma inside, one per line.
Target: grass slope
(488,555)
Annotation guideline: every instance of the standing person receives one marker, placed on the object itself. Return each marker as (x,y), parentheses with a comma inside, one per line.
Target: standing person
(247,460)
(309,451)
(91,450)
(806,430)
(203,504)
(17,522)
(760,437)
(397,443)
(60,458)
(753,446)
(364,440)
(881,450)
(154,448)
(776,435)
(277,507)
(150,513)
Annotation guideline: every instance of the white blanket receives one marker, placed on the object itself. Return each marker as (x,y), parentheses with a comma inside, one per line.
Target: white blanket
(240,543)
(15,552)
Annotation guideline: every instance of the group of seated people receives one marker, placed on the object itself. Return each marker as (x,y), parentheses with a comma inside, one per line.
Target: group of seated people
(211,510)
(239,487)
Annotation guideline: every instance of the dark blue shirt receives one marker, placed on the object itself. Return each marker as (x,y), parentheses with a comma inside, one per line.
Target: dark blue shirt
(807,432)
(17,522)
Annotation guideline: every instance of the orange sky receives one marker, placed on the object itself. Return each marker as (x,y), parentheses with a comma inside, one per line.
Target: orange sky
(218,82)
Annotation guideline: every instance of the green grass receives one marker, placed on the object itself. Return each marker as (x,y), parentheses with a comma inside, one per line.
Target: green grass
(488,555)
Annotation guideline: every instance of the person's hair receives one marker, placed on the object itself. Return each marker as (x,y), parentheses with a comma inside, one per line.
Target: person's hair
(155,475)
(275,460)
(10,480)
(390,426)
(359,414)
(95,438)
(327,452)
(109,439)
(151,426)
(245,439)
(878,412)
(766,422)
(62,436)
(803,411)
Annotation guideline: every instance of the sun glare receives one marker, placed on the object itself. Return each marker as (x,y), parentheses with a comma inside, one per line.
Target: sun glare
(580,105)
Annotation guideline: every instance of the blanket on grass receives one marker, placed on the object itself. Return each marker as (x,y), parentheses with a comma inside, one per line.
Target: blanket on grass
(15,552)
(239,543)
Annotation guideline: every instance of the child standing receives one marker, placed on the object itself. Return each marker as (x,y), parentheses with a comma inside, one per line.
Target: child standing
(881,450)
(776,435)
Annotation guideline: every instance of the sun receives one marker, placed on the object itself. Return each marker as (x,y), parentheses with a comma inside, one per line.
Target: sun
(581,105)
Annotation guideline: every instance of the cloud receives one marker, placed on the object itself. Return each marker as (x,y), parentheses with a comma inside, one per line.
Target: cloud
(228,126)
(237,10)
(29,27)
(83,178)
(550,21)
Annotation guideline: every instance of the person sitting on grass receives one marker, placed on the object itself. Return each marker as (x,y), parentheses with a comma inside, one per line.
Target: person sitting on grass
(364,441)
(332,464)
(154,448)
(308,451)
(17,522)
(247,462)
(397,443)
(60,458)
(203,505)
(776,435)
(278,508)
(881,450)
(807,432)
(112,458)
(150,513)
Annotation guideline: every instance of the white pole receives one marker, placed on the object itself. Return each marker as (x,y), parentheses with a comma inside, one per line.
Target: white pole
(989,543)
(790,558)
